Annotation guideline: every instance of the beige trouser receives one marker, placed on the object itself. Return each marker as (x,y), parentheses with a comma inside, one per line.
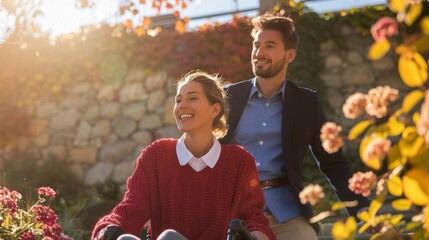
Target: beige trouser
(295,229)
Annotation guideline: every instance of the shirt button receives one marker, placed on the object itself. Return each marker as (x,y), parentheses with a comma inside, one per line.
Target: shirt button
(264,124)
(259,95)
(261,142)
(267,104)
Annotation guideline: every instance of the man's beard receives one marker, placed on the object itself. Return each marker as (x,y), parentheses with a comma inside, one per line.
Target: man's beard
(272,71)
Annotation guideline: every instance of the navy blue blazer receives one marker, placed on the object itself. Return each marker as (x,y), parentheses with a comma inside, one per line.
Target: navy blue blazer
(302,120)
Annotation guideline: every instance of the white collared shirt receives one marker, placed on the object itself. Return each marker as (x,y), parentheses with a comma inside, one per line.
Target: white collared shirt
(198,164)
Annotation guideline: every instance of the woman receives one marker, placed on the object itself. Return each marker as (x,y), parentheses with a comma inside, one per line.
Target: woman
(193,185)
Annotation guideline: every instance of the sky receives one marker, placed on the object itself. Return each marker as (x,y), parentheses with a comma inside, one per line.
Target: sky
(60,16)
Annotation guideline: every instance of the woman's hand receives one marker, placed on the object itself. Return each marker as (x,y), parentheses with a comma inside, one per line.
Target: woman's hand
(258,235)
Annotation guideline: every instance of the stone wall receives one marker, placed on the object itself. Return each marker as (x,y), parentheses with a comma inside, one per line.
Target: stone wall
(348,70)
(100,129)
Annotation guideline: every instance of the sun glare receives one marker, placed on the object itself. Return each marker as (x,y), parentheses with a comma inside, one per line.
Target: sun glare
(62,17)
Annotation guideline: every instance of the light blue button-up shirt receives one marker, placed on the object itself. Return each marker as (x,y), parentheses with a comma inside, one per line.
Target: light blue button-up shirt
(259,131)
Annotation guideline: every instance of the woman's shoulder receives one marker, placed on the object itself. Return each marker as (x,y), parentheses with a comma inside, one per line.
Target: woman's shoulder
(236,150)
(160,145)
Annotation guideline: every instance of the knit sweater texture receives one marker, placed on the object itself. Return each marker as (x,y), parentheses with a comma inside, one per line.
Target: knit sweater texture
(199,205)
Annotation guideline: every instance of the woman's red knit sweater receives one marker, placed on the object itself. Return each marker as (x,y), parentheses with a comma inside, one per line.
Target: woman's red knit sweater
(199,205)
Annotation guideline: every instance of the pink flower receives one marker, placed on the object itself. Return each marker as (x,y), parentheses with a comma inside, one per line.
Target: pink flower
(385,27)
(46,191)
(363,183)
(377,148)
(10,204)
(311,194)
(423,123)
(354,105)
(52,231)
(27,236)
(329,135)
(14,195)
(45,214)
(378,100)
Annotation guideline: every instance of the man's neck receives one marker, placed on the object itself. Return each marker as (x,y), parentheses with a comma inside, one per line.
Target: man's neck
(269,86)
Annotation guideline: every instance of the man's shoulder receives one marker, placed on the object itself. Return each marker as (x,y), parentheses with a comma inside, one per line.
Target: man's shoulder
(238,84)
(301,90)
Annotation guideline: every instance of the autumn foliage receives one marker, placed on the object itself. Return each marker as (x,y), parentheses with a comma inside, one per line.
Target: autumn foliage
(392,142)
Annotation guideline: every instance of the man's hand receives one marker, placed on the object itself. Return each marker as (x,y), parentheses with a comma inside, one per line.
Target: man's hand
(258,235)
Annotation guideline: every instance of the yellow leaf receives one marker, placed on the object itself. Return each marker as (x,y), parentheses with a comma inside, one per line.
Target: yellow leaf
(394,158)
(402,49)
(413,69)
(379,49)
(422,43)
(424,25)
(140,31)
(402,204)
(397,5)
(394,127)
(359,128)
(339,231)
(351,225)
(411,100)
(421,159)
(344,231)
(394,185)
(180,27)
(147,22)
(396,219)
(413,13)
(364,216)
(416,186)
(411,143)
(365,226)
(128,24)
(374,163)
(374,206)
(416,117)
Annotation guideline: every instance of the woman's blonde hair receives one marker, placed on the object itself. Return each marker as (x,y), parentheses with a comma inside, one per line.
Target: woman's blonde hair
(213,90)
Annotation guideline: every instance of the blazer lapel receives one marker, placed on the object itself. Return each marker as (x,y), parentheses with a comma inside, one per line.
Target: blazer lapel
(238,94)
(290,105)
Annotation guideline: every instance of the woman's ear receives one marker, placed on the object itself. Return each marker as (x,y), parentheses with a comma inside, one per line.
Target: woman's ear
(215,110)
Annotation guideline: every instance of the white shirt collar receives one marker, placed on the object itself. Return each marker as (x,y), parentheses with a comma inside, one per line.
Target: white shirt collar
(185,156)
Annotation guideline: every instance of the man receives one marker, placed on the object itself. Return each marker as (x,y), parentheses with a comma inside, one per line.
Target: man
(276,121)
